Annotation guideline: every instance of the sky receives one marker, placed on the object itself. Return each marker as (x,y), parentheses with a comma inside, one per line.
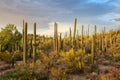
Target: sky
(103,13)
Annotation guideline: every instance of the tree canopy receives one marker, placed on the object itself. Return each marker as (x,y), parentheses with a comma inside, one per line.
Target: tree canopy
(9,37)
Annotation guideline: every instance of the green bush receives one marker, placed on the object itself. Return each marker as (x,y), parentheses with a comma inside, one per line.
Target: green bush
(74,60)
(5,56)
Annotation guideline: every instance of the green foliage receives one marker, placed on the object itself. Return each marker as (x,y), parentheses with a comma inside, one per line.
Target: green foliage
(74,60)
(19,75)
(5,56)
(57,74)
(46,45)
(9,36)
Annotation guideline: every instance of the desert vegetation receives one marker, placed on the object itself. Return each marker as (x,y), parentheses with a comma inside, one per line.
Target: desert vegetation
(87,56)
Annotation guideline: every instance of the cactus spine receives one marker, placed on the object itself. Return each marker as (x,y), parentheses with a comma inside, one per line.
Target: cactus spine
(74,34)
(34,44)
(25,44)
(55,37)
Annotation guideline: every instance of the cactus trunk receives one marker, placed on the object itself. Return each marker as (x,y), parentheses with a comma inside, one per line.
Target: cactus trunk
(74,34)
(82,37)
(34,44)
(25,44)
(93,49)
(55,37)
(61,43)
(23,35)
(88,30)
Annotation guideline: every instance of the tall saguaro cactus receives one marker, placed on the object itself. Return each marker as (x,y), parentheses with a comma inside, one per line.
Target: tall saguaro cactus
(25,44)
(95,35)
(93,49)
(60,43)
(82,37)
(23,34)
(70,37)
(55,37)
(100,42)
(31,48)
(74,34)
(88,30)
(70,34)
(34,44)
(95,31)
(110,33)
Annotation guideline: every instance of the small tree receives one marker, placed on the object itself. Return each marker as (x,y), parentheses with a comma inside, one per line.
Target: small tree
(10,37)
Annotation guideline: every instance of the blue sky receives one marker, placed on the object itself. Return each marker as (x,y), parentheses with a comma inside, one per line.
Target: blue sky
(46,12)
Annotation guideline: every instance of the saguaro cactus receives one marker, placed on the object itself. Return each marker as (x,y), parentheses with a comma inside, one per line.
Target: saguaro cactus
(34,44)
(106,42)
(70,37)
(25,44)
(55,37)
(31,48)
(61,43)
(23,34)
(100,42)
(88,30)
(95,31)
(82,34)
(75,23)
(95,36)
(70,34)
(93,49)
(110,37)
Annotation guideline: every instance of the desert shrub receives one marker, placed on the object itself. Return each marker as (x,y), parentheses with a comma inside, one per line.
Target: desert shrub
(74,60)
(114,52)
(48,66)
(17,55)
(5,56)
(46,45)
(114,57)
(57,74)
(101,78)
(19,75)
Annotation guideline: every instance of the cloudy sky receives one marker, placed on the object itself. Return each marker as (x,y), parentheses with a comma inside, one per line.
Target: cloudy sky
(46,12)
